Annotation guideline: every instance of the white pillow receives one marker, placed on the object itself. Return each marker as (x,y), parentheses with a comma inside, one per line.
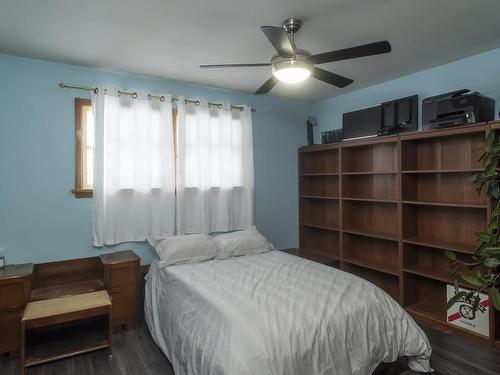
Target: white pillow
(184,249)
(243,242)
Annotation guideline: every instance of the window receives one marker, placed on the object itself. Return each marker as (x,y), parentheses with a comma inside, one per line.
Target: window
(84,148)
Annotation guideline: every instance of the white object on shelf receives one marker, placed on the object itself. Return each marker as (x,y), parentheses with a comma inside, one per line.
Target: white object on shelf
(463,315)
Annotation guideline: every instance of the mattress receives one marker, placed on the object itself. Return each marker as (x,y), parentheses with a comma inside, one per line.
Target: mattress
(279,314)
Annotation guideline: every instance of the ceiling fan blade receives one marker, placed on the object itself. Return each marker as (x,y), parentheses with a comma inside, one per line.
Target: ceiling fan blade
(235,65)
(279,39)
(331,78)
(370,49)
(267,86)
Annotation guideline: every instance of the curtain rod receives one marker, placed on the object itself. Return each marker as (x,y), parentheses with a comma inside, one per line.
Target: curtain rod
(161,97)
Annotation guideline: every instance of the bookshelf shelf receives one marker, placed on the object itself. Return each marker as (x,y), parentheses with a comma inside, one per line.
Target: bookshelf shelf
(318,197)
(322,227)
(452,246)
(425,171)
(370,200)
(319,174)
(382,236)
(368,173)
(375,267)
(443,204)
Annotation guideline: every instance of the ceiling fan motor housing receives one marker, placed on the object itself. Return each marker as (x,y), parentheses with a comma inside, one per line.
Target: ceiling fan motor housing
(301,61)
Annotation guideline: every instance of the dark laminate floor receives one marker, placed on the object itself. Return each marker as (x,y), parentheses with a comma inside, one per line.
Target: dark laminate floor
(135,353)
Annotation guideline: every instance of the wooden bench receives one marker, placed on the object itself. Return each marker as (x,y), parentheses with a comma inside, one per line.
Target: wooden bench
(56,311)
(118,273)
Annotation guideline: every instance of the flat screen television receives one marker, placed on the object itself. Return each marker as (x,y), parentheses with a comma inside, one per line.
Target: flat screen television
(361,123)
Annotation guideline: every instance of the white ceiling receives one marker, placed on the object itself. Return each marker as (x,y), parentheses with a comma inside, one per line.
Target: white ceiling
(170,38)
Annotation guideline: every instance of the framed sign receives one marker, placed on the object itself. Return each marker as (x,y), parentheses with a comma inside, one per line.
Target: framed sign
(462,313)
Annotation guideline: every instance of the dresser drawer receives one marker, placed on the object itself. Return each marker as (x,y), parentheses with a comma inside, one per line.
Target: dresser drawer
(11,295)
(123,276)
(124,304)
(9,330)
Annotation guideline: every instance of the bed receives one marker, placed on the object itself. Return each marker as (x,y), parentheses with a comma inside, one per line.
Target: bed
(275,313)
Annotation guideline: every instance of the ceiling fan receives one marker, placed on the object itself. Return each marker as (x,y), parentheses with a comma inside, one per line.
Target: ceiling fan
(293,65)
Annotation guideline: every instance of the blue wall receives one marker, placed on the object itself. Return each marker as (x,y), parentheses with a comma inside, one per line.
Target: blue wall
(477,73)
(40,220)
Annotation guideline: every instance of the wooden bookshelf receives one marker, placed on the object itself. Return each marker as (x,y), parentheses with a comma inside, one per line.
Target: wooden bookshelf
(386,209)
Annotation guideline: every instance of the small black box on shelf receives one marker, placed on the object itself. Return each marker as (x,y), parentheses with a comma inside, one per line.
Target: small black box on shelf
(331,136)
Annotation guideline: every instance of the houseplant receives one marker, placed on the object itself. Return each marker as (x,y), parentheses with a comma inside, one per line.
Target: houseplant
(482,269)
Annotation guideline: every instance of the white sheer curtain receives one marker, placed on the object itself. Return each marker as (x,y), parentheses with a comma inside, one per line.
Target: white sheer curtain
(134,168)
(215,174)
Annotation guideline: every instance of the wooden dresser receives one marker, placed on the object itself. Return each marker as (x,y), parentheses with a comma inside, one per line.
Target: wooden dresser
(15,290)
(121,279)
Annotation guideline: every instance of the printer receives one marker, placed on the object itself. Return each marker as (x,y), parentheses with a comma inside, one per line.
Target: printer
(456,108)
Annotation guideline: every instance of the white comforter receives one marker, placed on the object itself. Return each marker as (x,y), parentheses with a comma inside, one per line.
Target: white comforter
(279,314)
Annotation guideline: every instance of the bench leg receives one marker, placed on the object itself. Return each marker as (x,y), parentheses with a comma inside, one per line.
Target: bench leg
(22,354)
(110,335)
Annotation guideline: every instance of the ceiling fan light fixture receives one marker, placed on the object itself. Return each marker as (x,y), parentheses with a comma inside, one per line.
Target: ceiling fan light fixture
(292,71)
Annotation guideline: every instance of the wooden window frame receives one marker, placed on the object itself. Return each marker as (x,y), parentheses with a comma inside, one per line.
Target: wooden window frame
(79,191)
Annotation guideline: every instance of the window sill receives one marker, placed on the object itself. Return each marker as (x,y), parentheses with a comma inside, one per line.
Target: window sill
(82,193)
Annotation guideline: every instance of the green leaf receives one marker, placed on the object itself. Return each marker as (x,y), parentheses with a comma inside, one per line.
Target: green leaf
(482,236)
(495,297)
(495,191)
(450,255)
(490,139)
(475,177)
(489,277)
(455,298)
(473,280)
(490,169)
(491,250)
(491,262)
(475,263)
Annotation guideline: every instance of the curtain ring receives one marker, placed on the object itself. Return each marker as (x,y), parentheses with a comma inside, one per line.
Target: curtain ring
(220,106)
(105,91)
(242,109)
(96,90)
(149,96)
(162,98)
(197,103)
(134,95)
